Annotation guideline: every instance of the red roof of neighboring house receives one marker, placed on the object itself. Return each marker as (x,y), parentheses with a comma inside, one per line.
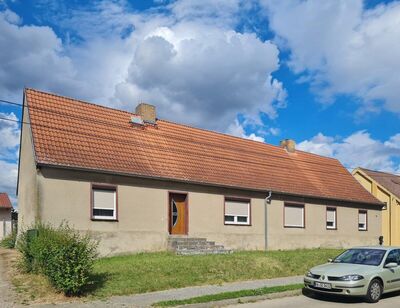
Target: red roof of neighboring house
(76,134)
(5,202)
(389,181)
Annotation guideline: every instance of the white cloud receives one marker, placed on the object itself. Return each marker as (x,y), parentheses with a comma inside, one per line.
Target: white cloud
(8,178)
(9,132)
(25,52)
(343,48)
(237,129)
(202,75)
(357,150)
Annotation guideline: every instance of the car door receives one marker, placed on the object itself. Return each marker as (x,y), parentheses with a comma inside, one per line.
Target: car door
(392,275)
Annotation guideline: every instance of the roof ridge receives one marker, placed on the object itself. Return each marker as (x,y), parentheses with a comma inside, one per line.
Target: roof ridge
(377,171)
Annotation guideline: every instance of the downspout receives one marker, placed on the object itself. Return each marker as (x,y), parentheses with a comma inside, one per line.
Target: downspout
(267,201)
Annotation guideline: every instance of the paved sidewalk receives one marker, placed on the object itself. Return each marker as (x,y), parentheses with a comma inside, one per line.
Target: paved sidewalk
(145,300)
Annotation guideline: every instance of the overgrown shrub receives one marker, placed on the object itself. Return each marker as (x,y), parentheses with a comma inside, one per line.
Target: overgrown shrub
(9,241)
(62,254)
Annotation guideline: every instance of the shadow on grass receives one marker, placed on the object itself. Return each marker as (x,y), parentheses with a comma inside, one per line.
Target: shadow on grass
(97,281)
(324,297)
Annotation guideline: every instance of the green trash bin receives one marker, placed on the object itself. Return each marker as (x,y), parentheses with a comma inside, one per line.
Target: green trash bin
(32,234)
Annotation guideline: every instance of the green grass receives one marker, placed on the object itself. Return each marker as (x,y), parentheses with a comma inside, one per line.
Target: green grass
(229,295)
(147,272)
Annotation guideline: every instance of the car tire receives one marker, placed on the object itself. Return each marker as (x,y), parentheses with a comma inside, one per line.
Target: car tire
(375,290)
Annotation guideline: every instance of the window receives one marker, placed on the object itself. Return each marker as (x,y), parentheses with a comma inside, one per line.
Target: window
(293,216)
(362,220)
(104,202)
(331,218)
(237,212)
(393,257)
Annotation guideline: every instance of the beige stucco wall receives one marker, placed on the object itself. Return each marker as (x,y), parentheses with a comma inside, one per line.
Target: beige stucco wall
(143,211)
(315,233)
(390,215)
(27,185)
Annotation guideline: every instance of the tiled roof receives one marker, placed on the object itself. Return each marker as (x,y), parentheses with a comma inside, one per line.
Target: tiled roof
(76,134)
(5,202)
(389,181)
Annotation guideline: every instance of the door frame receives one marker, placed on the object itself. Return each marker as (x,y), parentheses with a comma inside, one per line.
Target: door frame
(186,194)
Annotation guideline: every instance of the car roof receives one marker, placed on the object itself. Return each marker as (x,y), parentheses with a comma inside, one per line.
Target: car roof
(377,247)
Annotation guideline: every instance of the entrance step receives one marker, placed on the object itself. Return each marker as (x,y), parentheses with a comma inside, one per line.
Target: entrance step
(183,245)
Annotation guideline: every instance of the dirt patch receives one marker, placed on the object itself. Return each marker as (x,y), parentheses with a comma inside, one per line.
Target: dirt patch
(8,258)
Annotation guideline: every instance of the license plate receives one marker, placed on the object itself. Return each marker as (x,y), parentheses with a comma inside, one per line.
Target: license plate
(322,285)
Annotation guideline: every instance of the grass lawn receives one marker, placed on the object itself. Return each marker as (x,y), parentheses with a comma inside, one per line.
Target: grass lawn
(148,272)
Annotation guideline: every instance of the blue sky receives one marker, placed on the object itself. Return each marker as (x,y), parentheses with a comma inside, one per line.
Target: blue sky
(324,73)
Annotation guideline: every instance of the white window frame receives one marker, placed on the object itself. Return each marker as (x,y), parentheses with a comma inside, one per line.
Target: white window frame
(93,207)
(235,217)
(364,212)
(332,209)
(303,221)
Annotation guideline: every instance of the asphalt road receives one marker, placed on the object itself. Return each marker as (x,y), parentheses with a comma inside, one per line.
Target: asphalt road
(306,301)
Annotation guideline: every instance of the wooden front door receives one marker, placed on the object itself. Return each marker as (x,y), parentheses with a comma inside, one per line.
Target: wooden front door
(178,213)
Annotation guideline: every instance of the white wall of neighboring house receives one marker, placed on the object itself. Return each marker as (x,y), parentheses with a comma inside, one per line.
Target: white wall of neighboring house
(5,223)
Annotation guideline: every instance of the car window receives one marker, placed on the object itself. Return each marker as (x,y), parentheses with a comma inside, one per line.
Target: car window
(393,257)
(363,256)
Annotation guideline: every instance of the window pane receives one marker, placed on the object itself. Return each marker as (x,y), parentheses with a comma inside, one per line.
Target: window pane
(103,212)
(242,218)
(229,218)
(330,224)
(294,216)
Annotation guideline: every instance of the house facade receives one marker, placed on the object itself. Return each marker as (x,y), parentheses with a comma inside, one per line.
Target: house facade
(5,215)
(134,181)
(385,187)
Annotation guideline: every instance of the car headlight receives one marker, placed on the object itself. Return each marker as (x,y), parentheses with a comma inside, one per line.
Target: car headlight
(309,274)
(351,278)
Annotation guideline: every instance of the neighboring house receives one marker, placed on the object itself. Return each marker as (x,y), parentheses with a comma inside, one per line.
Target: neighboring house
(385,187)
(134,180)
(5,215)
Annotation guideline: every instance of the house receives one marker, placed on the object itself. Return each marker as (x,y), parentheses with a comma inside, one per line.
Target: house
(134,181)
(385,187)
(5,215)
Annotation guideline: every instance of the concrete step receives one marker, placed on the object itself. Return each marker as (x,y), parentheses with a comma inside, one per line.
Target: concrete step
(184,245)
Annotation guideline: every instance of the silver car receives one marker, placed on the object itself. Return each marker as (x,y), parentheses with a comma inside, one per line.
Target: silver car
(361,271)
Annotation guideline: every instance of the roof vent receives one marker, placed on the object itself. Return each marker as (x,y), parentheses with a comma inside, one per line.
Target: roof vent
(289,145)
(146,112)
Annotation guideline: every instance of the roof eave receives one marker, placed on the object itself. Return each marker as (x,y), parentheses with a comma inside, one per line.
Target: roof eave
(77,168)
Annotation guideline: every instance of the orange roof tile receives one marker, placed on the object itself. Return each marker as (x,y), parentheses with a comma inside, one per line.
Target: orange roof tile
(76,134)
(5,202)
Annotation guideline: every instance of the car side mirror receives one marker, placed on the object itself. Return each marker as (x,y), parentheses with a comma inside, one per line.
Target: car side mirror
(391,265)
(330,260)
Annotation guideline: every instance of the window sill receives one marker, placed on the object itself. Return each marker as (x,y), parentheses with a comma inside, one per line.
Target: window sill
(294,227)
(331,229)
(104,219)
(236,224)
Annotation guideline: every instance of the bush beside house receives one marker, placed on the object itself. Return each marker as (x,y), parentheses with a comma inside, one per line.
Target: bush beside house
(63,255)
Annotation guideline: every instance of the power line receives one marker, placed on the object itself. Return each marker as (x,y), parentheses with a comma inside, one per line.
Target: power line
(49,111)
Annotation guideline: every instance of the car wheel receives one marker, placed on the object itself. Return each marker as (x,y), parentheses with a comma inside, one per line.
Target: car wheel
(374,292)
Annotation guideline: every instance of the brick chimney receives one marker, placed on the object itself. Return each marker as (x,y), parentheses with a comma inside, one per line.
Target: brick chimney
(289,145)
(147,112)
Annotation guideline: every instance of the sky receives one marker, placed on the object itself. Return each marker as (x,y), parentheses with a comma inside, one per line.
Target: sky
(324,73)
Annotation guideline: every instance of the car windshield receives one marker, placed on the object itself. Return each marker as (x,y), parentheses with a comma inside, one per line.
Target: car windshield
(363,256)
